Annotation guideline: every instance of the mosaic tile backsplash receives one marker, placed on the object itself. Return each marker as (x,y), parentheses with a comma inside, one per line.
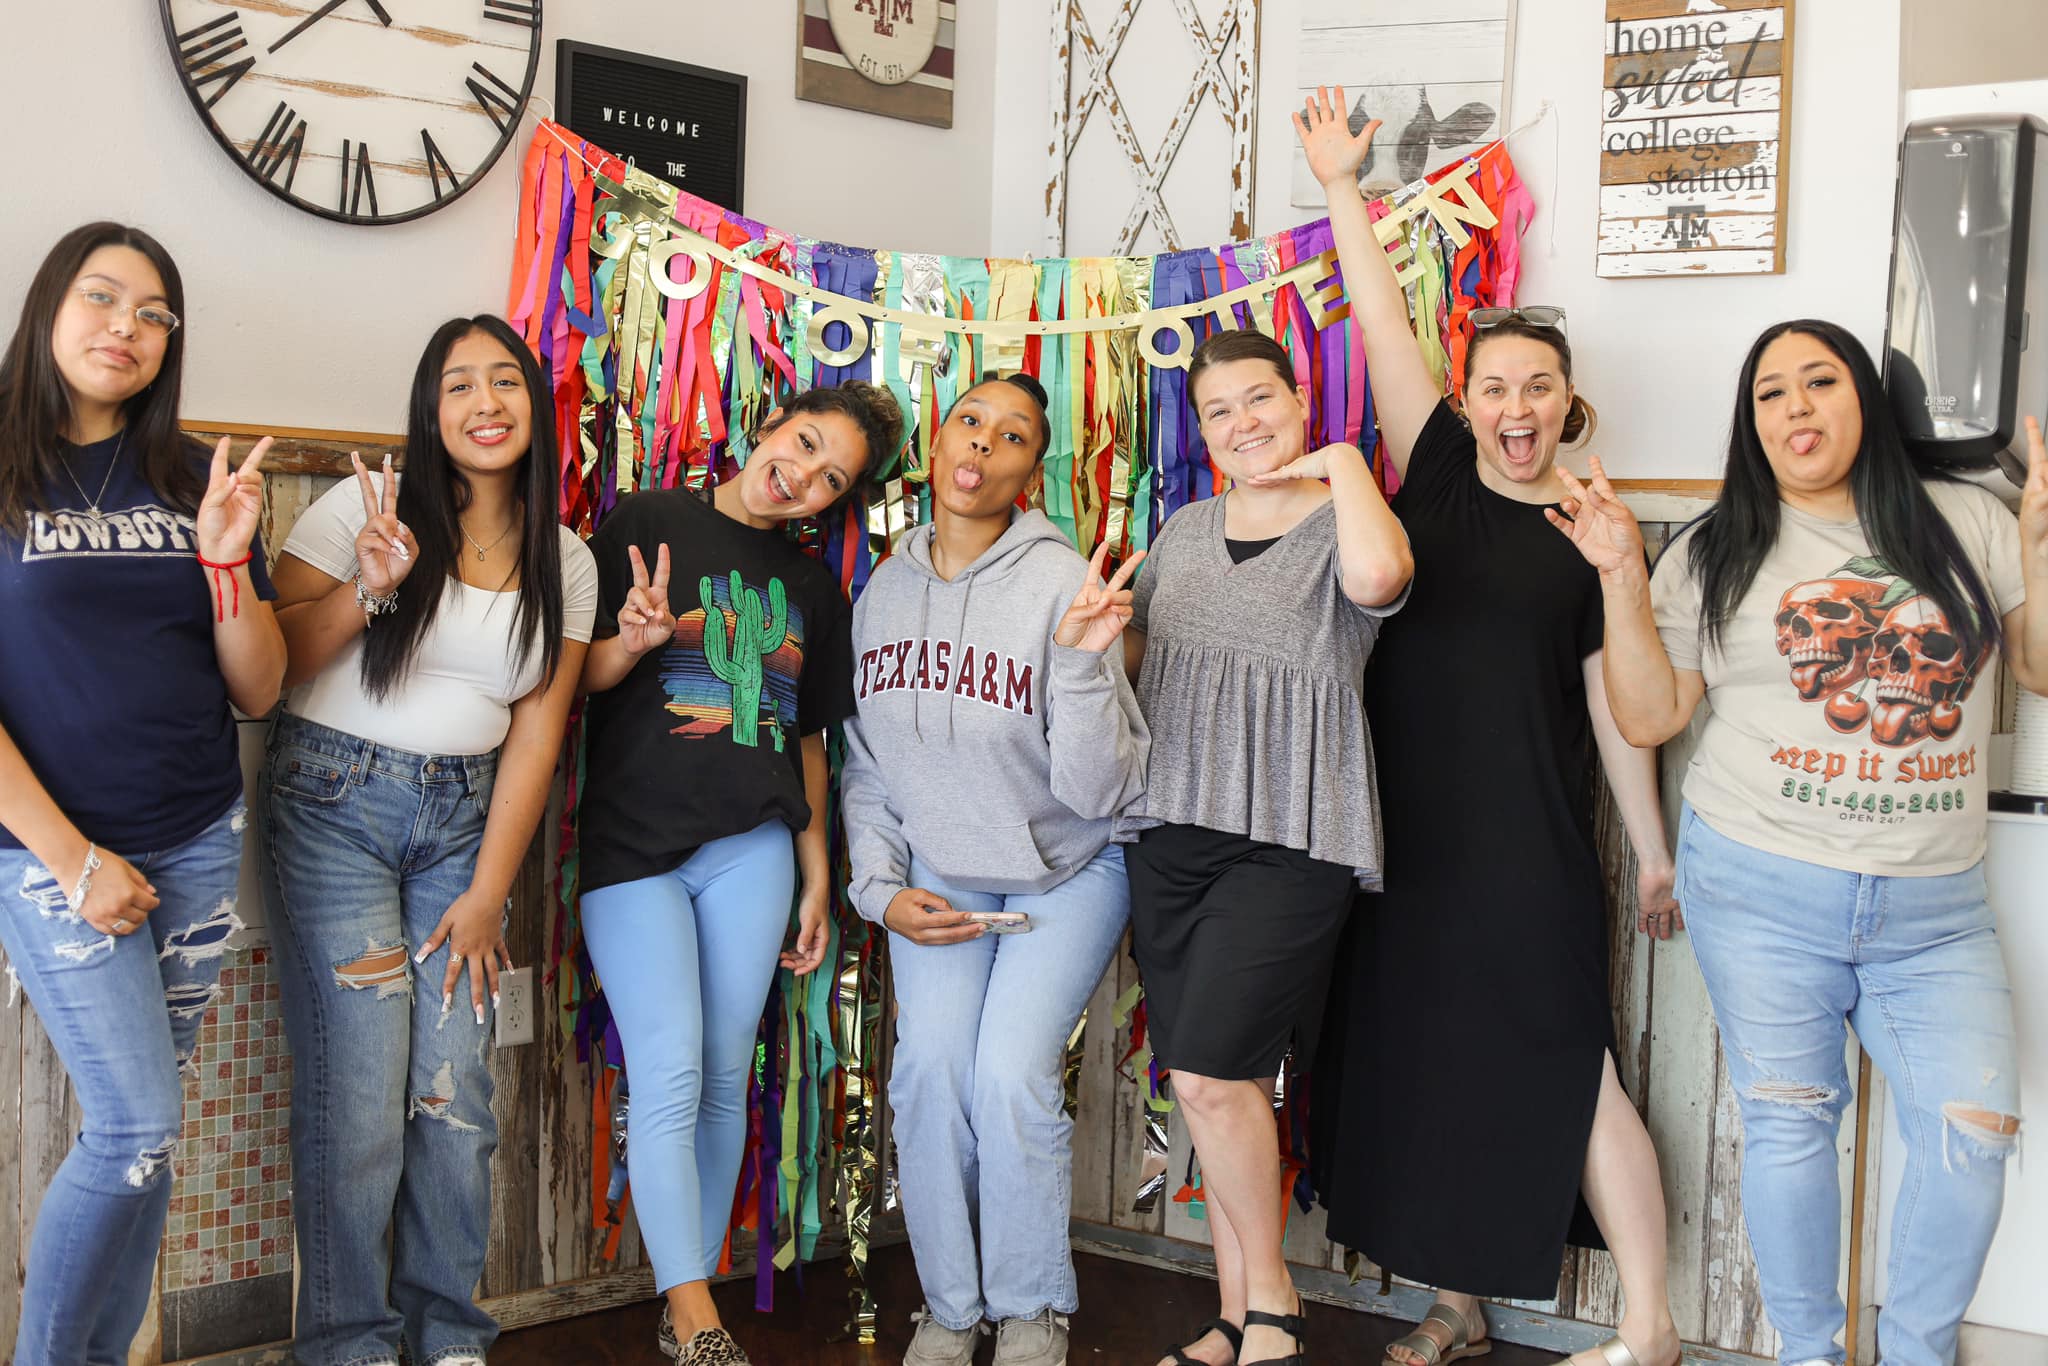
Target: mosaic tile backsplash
(231,1212)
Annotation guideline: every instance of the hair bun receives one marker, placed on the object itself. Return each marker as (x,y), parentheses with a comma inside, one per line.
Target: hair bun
(1030,386)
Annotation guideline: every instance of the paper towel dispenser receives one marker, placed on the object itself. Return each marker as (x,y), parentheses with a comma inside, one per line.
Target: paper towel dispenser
(1966,345)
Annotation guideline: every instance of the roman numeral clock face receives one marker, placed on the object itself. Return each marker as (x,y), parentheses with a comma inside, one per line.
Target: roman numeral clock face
(365,111)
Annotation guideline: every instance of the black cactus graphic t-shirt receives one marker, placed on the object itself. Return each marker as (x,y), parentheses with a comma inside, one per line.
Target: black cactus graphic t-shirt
(701,739)
(1846,724)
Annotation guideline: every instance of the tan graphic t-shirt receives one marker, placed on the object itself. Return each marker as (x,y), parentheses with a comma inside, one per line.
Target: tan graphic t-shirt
(1846,727)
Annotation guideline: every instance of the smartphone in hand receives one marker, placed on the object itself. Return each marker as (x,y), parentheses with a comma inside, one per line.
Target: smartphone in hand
(1002,922)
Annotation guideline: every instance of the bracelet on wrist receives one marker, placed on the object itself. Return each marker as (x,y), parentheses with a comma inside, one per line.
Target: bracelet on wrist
(225,569)
(373,605)
(83,887)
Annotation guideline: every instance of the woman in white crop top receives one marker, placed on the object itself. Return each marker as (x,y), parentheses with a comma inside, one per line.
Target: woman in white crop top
(436,628)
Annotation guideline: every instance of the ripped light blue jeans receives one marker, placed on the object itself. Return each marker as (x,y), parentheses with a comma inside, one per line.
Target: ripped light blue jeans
(123,1012)
(392,1132)
(1791,951)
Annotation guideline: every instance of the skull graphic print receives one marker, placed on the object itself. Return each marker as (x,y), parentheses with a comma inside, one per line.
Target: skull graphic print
(1874,651)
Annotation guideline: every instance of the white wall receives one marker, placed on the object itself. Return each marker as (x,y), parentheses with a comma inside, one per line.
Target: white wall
(296,321)
(1657,357)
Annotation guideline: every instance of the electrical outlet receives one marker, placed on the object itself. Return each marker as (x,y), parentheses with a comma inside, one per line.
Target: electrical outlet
(515,1007)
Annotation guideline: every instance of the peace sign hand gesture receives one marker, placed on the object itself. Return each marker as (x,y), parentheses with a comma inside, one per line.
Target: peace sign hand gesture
(385,549)
(2034,499)
(233,505)
(1334,155)
(645,623)
(1100,611)
(1598,522)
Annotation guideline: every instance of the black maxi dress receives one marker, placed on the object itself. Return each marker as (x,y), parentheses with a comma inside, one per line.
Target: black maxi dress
(1468,1019)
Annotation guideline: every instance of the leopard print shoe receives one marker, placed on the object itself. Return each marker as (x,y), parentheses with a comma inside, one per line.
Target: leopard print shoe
(712,1347)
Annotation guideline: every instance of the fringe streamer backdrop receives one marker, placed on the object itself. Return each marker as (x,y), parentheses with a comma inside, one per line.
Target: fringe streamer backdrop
(661,374)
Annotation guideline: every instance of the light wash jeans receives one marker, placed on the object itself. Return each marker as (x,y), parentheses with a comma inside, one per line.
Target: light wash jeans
(977,1090)
(392,1132)
(686,959)
(1790,951)
(123,1012)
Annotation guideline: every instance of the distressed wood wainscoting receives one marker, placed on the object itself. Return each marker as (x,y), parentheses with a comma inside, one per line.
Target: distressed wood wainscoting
(225,1280)
(1670,1062)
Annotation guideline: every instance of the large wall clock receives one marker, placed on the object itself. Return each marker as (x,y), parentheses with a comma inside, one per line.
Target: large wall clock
(363,111)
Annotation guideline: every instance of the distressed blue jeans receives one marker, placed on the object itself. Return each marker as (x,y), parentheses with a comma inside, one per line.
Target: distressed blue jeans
(123,1012)
(392,1132)
(977,1089)
(1791,951)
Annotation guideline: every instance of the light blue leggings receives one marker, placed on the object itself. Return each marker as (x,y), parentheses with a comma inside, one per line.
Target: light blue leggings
(686,959)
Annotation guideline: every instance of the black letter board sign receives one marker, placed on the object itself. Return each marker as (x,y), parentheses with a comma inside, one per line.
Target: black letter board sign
(683,124)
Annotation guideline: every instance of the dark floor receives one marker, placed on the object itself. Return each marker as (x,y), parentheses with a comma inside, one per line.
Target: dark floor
(1129,1314)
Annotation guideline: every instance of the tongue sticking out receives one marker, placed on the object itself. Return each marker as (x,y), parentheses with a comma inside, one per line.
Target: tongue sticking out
(1806,677)
(1898,723)
(1804,442)
(966,478)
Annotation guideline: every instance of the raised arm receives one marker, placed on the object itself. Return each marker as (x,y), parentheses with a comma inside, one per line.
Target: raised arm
(1403,393)
(2026,626)
(1098,739)
(645,623)
(246,640)
(1373,556)
(1652,701)
(319,613)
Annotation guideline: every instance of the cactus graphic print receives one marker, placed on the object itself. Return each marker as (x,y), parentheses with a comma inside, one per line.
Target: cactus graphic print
(1846,724)
(735,661)
(704,737)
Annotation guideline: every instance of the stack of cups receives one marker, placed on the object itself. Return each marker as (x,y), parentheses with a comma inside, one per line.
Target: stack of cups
(2030,746)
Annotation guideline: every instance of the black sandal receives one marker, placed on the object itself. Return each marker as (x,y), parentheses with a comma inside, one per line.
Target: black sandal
(1294,1325)
(1232,1334)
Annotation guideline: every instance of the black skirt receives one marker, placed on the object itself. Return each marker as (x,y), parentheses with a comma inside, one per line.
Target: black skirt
(1234,940)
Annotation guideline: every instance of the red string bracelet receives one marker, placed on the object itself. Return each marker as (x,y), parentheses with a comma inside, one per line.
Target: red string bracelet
(226,570)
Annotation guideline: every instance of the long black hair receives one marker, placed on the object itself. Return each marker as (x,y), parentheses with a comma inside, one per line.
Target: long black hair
(35,402)
(1906,531)
(433,494)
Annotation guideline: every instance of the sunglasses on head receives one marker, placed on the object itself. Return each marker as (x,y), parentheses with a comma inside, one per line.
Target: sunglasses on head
(1535,315)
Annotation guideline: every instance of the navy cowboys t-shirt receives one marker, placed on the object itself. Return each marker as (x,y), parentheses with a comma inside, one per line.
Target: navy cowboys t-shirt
(109,685)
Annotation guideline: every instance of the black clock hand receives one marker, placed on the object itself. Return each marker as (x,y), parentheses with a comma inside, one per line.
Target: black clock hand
(315,17)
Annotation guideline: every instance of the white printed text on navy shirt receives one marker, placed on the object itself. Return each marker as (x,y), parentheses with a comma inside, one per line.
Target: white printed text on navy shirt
(990,676)
(148,530)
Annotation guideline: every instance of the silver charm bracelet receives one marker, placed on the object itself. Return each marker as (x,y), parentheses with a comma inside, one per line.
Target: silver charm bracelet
(83,887)
(373,604)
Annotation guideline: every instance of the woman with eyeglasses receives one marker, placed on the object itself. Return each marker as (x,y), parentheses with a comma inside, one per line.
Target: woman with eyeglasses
(1472,997)
(134,609)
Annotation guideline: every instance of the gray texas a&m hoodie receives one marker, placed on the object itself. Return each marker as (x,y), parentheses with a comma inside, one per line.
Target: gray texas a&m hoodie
(1000,757)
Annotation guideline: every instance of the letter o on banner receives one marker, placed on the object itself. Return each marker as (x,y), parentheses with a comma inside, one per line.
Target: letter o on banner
(1159,320)
(666,250)
(856,342)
